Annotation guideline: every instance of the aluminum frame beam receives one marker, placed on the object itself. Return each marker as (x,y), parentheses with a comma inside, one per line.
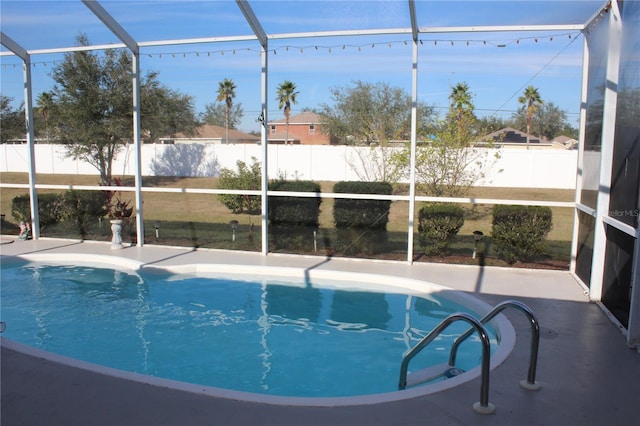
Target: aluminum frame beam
(599,14)
(263,119)
(113,25)
(14,47)
(413,19)
(501,28)
(606,155)
(22,53)
(253,21)
(132,45)
(315,34)
(70,49)
(413,151)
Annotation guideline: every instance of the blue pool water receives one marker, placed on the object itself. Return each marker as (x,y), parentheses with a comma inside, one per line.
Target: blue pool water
(265,336)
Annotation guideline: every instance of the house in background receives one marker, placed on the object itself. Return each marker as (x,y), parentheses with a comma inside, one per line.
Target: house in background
(512,138)
(566,141)
(211,134)
(304,129)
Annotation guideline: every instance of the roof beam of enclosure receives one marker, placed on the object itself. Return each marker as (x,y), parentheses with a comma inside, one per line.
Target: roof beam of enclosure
(414,22)
(502,28)
(315,34)
(176,42)
(340,33)
(14,47)
(112,24)
(202,40)
(22,53)
(599,14)
(253,21)
(428,30)
(70,49)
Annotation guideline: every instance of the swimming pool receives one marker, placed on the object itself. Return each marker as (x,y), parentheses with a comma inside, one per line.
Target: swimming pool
(291,333)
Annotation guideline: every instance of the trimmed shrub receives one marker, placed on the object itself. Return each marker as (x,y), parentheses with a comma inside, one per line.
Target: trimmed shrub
(304,211)
(50,209)
(519,232)
(357,213)
(83,208)
(438,224)
(292,220)
(361,225)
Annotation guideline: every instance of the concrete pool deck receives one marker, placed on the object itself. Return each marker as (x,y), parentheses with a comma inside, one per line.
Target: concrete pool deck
(588,375)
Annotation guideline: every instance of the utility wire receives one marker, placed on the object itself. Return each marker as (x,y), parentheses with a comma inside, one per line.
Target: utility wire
(573,39)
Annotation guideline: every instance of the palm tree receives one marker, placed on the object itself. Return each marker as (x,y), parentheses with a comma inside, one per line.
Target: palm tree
(226,93)
(531,100)
(45,104)
(461,102)
(286,96)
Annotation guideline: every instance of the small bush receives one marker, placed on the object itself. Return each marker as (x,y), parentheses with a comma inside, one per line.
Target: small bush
(245,178)
(438,224)
(519,231)
(50,209)
(83,208)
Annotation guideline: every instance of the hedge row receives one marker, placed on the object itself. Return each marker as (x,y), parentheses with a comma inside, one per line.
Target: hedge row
(438,224)
(291,217)
(361,224)
(79,208)
(357,213)
(519,232)
(298,211)
(50,209)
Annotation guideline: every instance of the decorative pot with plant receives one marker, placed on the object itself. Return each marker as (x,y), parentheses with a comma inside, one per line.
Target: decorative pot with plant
(119,213)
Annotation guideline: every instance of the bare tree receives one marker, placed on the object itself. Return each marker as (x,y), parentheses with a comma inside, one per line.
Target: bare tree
(450,162)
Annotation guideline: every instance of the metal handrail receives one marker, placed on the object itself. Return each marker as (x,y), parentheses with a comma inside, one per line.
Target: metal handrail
(486,352)
(535,338)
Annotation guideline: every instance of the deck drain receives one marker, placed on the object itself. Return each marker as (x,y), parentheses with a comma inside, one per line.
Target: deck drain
(453,372)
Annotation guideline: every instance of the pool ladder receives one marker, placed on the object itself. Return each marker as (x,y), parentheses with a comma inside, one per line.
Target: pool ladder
(449,370)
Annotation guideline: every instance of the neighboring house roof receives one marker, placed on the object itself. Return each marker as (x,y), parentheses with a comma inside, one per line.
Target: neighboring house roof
(210,132)
(306,117)
(282,136)
(515,138)
(511,135)
(565,140)
(562,139)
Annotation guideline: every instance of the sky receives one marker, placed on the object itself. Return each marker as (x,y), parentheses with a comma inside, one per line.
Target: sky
(497,66)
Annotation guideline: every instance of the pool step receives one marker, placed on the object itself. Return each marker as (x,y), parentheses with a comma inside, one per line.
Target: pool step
(443,370)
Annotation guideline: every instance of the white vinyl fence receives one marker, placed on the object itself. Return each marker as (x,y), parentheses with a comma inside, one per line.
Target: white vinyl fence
(516,168)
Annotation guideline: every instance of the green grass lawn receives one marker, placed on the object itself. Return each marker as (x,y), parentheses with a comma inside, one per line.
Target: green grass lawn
(201,220)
